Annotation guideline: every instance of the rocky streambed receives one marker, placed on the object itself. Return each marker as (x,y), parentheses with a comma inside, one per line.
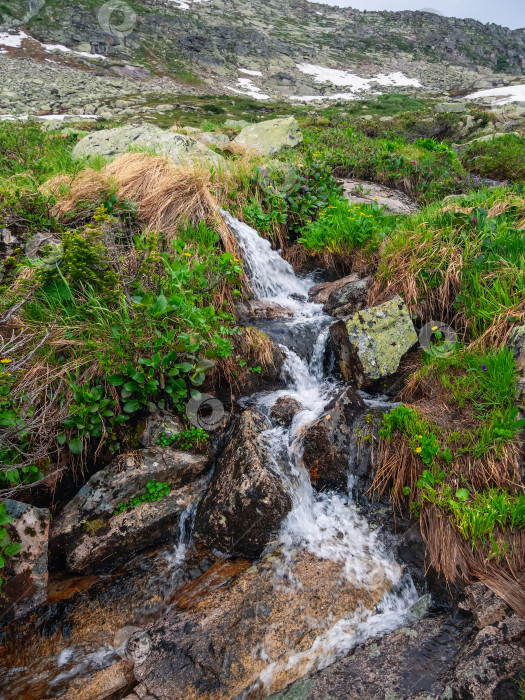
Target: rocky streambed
(268,562)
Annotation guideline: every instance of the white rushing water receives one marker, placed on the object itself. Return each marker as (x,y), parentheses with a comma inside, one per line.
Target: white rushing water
(327,525)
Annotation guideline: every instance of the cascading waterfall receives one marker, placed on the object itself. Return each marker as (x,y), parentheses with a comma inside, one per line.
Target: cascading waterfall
(326,525)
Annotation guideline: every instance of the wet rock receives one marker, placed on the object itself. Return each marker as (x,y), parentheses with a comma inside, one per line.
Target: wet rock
(284,410)
(230,633)
(348,298)
(486,607)
(89,536)
(271,136)
(395,202)
(378,338)
(69,646)
(319,293)
(327,441)
(441,657)
(112,142)
(25,575)
(246,500)
(255,310)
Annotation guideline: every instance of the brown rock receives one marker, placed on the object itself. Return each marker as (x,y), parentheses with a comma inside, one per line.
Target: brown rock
(231,633)
(246,500)
(319,293)
(261,310)
(326,442)
(284,409)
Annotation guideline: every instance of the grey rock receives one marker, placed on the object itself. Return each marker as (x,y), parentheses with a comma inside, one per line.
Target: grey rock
(271,136)
(25,575)
(247,499)
(348,298)
(516,343)
(360,192)
(455,107)
(37,244)
(250,311)
(112,142)
(89,536)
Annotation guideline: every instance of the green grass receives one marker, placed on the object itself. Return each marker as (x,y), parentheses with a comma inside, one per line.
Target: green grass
(501,158)
(341,228)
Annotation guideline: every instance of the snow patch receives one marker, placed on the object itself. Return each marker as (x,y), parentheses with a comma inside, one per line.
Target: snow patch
(13,40)
(249,72)
(504,95)
(185,4)
(345,78)
(247,88)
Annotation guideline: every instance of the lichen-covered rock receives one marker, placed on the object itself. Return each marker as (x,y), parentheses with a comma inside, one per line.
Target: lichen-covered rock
(25,575)
(210,137)
(112,142)
(327,441)
(89,536)
(270,136)
(247,499)
(381,335)
(284,410)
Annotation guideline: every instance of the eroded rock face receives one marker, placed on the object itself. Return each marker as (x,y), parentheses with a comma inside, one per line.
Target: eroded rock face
(229,634)
(516,343)
(25,575)
(112,142)
(270,136)
(89,536)
(378,338)
(327,441)
(246,499)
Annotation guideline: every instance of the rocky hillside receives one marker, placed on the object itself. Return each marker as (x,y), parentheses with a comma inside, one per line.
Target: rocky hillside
(279,49)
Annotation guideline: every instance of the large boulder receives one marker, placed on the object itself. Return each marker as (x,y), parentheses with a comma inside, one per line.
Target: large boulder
(25,575)
(270,136)
(229,632)
(284,410)
(347,298)
(88,535)
(327,441)
(212,138)
(247,499)
(112,142)
(374,341)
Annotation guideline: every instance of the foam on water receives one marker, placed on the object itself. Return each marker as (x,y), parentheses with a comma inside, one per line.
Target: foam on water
(327,525)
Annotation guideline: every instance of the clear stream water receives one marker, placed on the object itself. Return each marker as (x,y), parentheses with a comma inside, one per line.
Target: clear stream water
(327,526)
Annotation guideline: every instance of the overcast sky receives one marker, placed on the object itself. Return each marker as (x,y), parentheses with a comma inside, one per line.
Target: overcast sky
(509,13)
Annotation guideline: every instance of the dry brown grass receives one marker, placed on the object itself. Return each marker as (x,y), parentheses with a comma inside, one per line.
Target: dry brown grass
(454,557)
(168,196)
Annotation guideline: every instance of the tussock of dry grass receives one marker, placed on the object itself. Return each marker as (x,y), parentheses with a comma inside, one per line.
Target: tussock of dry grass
(454,557)
(167,195)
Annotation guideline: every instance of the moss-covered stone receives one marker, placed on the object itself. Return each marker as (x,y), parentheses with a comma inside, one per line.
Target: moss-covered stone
(382,335)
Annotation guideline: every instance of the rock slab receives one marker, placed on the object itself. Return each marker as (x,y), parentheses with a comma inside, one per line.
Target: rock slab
(89,536)
(270,136)
(25,575)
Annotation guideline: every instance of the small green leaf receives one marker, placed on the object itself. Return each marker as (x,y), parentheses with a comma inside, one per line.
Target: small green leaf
(13,549)
(76,446)
(131,406)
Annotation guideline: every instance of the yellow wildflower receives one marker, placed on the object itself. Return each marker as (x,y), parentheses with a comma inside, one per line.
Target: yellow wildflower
(5,361)
(418,449)
(434,328)
(188,255)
